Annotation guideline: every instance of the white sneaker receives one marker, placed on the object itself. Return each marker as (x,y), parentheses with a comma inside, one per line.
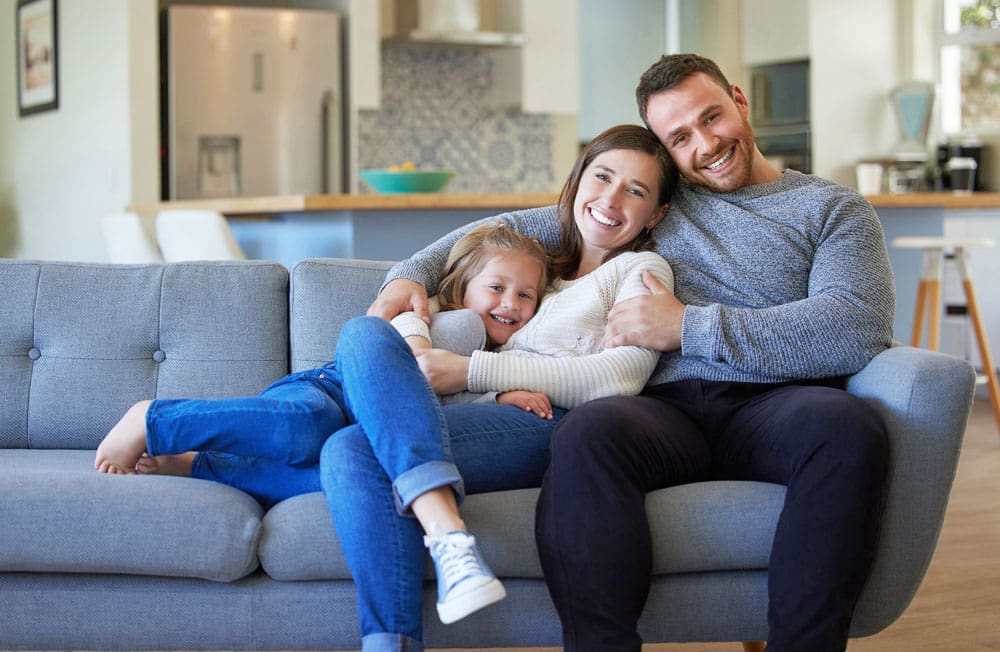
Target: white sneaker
(465,582)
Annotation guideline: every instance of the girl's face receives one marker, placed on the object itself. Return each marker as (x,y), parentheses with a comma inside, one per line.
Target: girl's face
(505,293)
(617,199)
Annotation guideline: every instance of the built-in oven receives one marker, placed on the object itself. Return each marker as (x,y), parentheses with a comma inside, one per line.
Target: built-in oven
(779,113)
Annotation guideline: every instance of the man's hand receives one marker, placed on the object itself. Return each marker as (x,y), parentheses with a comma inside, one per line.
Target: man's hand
(398,296)
(535,402)
(447,372)
(651,321)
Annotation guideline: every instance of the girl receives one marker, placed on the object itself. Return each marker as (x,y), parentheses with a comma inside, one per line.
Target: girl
(269,445)
(617,192)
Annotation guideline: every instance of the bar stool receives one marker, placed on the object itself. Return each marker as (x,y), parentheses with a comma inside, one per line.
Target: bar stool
(929,299)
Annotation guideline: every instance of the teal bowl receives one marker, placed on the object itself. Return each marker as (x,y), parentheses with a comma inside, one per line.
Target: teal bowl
(389,183)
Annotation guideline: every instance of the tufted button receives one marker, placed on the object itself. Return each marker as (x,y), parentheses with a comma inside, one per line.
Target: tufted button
(34,353)
(159,356)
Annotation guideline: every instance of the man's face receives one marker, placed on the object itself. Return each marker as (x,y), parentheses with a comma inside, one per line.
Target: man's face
(708,134)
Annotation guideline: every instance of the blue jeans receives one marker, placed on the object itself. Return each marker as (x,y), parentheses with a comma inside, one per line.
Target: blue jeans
(494,447)
(269,445)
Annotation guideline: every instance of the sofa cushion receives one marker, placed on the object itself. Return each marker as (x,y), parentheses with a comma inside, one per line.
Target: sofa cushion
(325,294)
(81,342)
(708,526)
(60,515)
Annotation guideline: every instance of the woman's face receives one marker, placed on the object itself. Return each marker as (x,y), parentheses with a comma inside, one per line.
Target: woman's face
(617,199)
(505,293)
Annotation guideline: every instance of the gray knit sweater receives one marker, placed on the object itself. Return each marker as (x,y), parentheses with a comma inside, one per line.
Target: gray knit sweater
(783,281)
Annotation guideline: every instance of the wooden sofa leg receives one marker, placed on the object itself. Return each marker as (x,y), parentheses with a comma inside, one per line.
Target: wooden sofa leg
(754,646)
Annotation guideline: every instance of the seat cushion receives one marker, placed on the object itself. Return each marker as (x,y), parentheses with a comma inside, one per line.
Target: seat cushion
(705,526)
(60,515)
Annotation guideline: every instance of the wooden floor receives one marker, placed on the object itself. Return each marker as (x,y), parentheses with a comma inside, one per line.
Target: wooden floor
(957,608)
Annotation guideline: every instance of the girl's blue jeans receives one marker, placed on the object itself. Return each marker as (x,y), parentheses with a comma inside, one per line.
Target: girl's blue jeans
(495,447)
(391,442)
(269,445)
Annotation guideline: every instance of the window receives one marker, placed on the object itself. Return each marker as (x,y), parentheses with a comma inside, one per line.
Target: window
(970,66)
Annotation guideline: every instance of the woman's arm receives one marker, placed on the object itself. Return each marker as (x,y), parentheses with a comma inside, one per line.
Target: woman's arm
(569,380)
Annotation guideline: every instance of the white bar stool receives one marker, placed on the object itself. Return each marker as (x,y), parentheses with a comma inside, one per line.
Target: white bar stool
(929,299)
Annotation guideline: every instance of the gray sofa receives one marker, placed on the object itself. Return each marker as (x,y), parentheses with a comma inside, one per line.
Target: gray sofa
(91,561)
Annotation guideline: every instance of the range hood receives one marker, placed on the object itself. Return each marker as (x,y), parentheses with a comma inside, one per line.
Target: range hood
(449,22)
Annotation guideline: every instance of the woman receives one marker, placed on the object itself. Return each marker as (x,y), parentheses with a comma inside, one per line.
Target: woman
(616,193)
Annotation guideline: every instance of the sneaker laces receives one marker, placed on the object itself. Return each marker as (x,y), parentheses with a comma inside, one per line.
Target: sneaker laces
(454,553)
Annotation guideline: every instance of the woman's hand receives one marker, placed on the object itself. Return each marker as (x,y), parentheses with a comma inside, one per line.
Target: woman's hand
(399,296)
(447,372)
(534,402)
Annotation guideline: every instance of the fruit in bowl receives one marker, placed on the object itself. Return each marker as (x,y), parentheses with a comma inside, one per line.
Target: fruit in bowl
(406,178)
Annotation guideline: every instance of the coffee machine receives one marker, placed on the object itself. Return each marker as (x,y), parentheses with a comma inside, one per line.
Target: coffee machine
(966,147)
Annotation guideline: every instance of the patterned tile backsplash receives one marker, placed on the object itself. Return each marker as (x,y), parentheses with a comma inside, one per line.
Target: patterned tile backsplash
(437,112)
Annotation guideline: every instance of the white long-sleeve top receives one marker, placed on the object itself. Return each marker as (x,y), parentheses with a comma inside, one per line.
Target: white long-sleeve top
(559,351)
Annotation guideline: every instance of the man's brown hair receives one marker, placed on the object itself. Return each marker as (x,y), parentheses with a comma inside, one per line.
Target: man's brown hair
(671,70)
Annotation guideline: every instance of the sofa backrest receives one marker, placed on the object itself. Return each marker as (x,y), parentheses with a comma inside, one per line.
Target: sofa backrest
(81,342)
(326,293)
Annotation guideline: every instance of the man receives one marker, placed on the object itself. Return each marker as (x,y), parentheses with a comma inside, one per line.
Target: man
(783,287)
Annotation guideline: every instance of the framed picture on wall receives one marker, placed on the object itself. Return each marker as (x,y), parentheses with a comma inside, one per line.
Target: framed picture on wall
(37,56)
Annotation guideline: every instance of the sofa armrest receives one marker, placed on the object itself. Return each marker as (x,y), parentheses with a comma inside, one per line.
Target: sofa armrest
(924,399)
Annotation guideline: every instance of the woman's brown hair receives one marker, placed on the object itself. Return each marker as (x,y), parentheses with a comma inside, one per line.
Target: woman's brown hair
(474,249)
(630,137)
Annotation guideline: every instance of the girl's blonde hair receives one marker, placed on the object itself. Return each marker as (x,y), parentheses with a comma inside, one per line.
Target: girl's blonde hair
(474,249)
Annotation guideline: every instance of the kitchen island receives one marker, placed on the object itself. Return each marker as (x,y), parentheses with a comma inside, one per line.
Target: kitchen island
(369,226)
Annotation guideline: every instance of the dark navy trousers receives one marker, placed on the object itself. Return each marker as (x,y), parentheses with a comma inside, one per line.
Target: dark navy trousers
(827,446)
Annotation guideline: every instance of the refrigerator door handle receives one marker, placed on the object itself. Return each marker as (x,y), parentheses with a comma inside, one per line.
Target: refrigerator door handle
(331,128)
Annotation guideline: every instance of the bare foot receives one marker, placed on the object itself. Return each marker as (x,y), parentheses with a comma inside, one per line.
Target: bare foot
(166,464)
(125,443)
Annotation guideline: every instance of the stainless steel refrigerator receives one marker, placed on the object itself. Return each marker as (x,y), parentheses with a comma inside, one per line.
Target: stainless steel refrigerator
(253,102)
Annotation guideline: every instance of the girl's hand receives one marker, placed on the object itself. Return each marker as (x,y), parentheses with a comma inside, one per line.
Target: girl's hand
(534,402)
(418,343)
(447,372)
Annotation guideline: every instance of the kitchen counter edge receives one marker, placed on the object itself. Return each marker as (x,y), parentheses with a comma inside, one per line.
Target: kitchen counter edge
(948,200)
(234,206)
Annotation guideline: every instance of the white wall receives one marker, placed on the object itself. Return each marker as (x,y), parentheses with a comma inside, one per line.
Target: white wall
(712,28)
(853,65)
(8,112)
(780,30)
(609,72)
(63,169)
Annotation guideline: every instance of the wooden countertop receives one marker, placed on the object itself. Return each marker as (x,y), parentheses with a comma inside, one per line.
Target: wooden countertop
(403,202)
(946,200)
(236,206)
